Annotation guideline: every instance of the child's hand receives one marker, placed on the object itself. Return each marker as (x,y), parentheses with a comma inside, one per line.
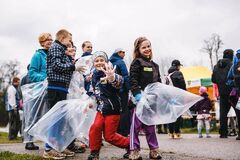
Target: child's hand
(90,105)
(109,72)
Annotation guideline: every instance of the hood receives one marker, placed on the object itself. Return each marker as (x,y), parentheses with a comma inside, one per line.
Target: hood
(222,63)
(172,69)
(86,54)
(115,57)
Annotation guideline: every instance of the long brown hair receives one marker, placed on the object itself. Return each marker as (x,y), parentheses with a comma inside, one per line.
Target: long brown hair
(137,44)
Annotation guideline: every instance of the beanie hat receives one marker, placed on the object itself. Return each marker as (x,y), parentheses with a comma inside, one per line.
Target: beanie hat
(202,90)
(99,54)
(228,53)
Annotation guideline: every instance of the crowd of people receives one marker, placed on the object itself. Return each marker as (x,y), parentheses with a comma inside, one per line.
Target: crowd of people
(110,83)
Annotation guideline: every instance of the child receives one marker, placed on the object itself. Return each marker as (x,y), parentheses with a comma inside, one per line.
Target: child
(203,108)
(60,68)
(106,85)
(143,71)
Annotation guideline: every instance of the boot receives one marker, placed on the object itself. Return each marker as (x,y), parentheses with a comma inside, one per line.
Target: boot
(238,137)
(93,156)
(155,154)
(135,155)
(31,146)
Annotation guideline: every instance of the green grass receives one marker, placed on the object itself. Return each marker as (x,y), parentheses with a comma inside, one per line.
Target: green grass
(12,156)
(4,139)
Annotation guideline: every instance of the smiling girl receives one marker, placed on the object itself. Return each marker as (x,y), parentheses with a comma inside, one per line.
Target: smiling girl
(143,71)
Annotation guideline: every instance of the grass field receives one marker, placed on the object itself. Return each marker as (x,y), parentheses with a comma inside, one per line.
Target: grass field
(4,139)
(13,156)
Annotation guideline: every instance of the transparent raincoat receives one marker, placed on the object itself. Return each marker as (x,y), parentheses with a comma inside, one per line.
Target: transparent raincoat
(34,106)
(162,104)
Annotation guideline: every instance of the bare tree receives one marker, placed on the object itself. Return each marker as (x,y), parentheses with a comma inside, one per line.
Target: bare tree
(211,46)
(8,70)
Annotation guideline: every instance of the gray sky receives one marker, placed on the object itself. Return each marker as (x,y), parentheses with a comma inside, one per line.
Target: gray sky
(175,28)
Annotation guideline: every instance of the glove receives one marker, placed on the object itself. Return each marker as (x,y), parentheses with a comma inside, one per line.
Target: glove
(137,97)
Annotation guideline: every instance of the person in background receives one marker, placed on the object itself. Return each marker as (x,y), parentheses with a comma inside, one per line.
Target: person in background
(117,60)
(179,82)
(219,77)
(203,108)
(87,51)
(12,106)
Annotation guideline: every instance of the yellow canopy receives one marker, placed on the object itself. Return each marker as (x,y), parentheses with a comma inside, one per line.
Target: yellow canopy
(196,72)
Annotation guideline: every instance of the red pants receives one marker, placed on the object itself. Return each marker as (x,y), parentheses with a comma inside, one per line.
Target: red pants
(106,125)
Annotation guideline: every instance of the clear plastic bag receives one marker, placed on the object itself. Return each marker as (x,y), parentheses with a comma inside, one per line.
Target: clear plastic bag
(34,106)
(67,120)
(86,62)
(161,104)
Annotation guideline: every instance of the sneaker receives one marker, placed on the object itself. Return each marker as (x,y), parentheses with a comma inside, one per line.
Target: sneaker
(238,137)
(223,136)
(93,156)
(135,155)
(76,148)
(68,153)
(155,154)
(126,155)
(171,135)
(208,136)
(200,136)
(53,154)
(177,136)
(31,146)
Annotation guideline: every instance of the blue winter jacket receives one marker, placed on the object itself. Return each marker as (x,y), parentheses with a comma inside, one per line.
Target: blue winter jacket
(121,69)
(37,70)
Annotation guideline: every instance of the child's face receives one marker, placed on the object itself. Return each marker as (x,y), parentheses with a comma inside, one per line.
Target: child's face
(145,49)
(99,63)
(87,48)
(67,40)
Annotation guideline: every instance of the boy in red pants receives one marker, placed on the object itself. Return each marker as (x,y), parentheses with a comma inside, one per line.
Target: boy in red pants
(106,84)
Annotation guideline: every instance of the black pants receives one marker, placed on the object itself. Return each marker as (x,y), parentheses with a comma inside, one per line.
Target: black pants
(224,109)
(175,126)
(14,124)
(124,124)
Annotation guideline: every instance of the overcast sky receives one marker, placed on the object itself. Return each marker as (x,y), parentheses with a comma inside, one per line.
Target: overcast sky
(176,28)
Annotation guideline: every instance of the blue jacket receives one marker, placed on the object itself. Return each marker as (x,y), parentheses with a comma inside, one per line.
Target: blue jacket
(121,69)
(37,70)
(106,93)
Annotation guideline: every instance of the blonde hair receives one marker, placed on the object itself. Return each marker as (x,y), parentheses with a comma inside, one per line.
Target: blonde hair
(43,37)
(63,33)
(137,44)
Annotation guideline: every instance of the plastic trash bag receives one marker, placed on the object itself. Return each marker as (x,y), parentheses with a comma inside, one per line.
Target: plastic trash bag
(68,119)
(65,122)
(87,62)
(161,104)
(34,106)
(76,86)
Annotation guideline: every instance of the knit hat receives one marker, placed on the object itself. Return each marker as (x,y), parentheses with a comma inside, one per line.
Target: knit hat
(228,53)
(99,54)
(202,90)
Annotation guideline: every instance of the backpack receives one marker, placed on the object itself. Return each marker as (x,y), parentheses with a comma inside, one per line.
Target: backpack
(168,80)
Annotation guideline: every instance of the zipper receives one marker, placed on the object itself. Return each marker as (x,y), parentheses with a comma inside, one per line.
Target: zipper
(110,103)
